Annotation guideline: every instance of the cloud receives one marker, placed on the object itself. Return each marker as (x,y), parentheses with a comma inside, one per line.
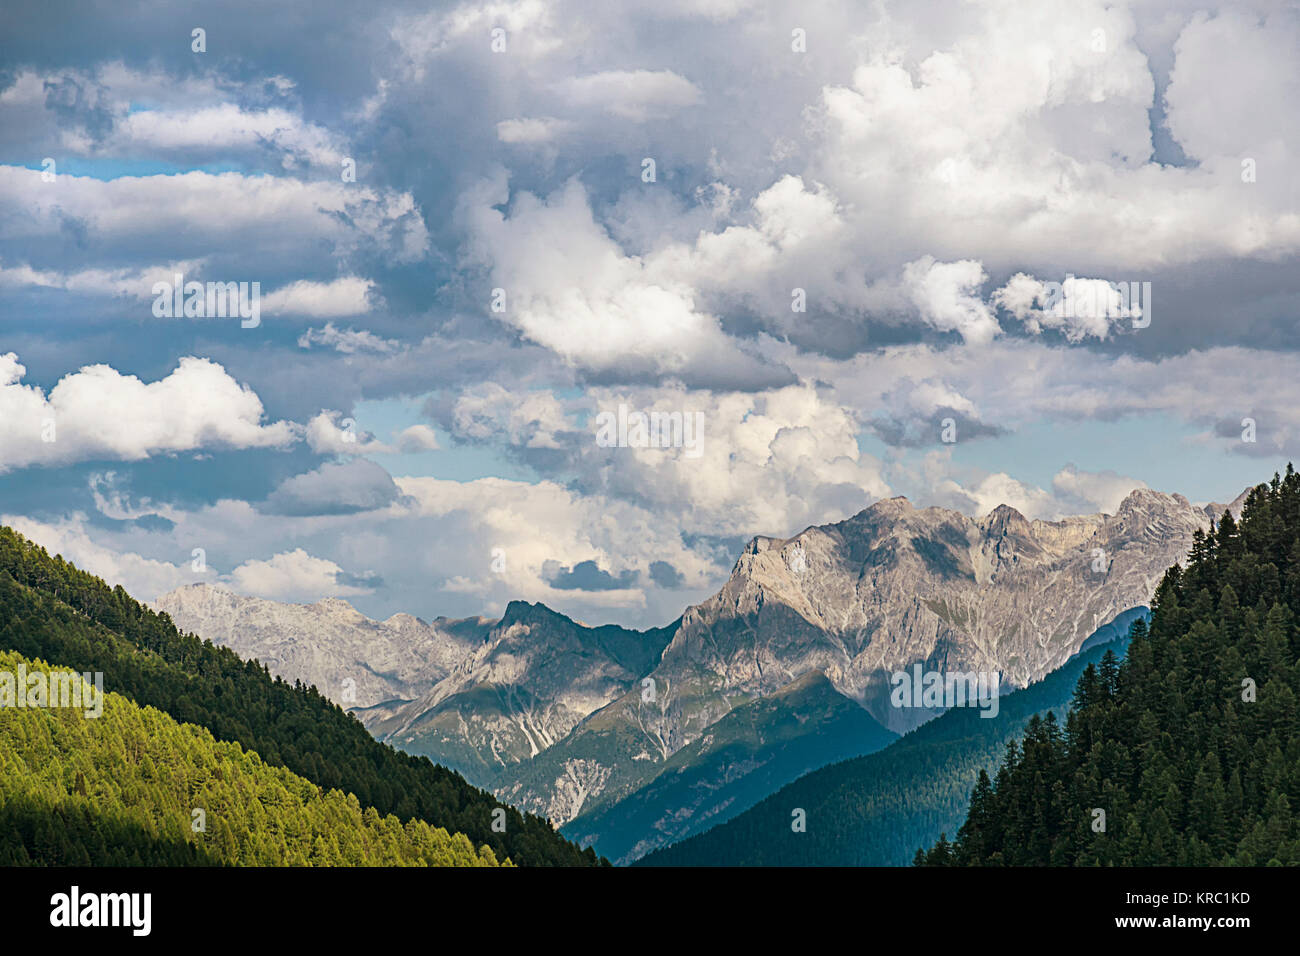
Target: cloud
(294,575)
(1080,308)
(111,109)
(632,94)
(526,535)
(347,341)
(568,286)
(98,413)
(947,296)
(133,282)
(334,488)
(260,222)
(1099,491)
(996,489)
(532,130)
(417,438)
(665,575)
(586,576)
(349,295)
(1013,383)
(1029,128)
(1073,492)
(535,419)
(1231,71)
(773,461)
(226,127)
(330,433)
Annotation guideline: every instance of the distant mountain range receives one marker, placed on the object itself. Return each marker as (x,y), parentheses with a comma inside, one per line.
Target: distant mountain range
(635,739)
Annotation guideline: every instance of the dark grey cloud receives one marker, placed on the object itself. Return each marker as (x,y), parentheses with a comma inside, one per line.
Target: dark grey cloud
(368,581)
(925,430)
(587,576)
(665,575)
(334,488)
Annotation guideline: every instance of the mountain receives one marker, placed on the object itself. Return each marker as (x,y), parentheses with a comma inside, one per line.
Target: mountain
(876,810)
(475,695)
(50,610)
(1188,752)
(569,721)
(1215,510)
(123,787)
(352,660)
(530,680)
(858,601)
(748,754)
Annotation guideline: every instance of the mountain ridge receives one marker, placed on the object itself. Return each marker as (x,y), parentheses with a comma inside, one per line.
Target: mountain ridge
(562,718)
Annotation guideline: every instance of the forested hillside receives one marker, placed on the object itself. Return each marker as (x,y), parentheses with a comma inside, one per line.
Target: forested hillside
(747,755)
(1191,746)
(875,810)
(122,788)
(52,611)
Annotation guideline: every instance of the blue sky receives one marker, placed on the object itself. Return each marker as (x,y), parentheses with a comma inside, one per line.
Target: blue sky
(827,230)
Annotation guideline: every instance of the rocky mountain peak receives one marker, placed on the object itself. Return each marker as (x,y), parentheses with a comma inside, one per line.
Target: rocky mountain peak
(402,619)
(523,612)
(339,608)
(894,505)
(1005,520)
(1215,510)
(1146,499)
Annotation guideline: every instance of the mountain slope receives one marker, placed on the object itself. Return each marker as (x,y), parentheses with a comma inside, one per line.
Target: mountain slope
(1190,747)
(476,695)
(752,752)
(123,788)
(57,613)
(876,810)
(527,683)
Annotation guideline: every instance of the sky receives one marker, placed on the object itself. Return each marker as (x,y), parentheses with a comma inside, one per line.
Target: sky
(870,249)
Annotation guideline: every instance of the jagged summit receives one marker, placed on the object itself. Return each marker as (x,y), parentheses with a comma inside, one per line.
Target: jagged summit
(525,611)
(1215,510)
(1005,520)
(1002,520)
(352,659)
(891,505)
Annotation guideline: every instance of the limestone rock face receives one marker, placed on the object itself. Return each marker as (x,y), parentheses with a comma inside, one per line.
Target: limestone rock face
(354,661)
(894,585)
(864,598)
(535,675)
